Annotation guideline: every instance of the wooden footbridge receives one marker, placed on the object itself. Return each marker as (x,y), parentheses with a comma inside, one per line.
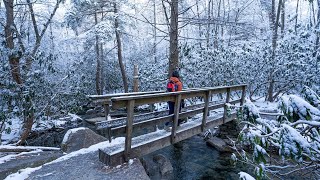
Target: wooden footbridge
(207,114)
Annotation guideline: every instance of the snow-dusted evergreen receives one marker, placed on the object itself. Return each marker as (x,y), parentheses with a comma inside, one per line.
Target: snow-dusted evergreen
(293,135)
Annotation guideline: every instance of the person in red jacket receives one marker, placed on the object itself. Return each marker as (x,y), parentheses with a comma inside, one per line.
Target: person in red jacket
(174,84)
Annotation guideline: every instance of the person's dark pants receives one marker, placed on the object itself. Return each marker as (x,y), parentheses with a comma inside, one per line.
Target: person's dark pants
(171,107)
(171,110)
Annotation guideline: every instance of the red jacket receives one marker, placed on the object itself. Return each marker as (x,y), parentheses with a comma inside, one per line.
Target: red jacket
(177,82)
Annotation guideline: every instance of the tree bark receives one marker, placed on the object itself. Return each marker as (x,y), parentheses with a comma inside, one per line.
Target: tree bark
(282,18)
(135,79)
(98,70)
(199,25)
(208,24)
(154,32)
(317,46)
(296,23)
(123,72)
(217,27)
(174,51)
(274,19)
(14,59)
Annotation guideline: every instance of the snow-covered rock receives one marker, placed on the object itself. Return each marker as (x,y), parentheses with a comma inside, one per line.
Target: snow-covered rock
(79,138)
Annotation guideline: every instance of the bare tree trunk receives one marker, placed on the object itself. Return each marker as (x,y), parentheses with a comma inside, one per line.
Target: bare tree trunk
(224,20)
(98,70)
(274,28)
(103,77)
(174,52)
(123,72)
(135,79)
(282,17)
(154,32)
(28,116)
(317,47)
(208,25)
(217,27)
(296,24)
(198,16)
(14,59)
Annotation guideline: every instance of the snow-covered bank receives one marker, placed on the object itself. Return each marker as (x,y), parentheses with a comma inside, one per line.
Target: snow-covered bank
(24,173)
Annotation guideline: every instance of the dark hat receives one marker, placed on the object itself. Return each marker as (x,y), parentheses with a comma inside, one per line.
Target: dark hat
(175,74)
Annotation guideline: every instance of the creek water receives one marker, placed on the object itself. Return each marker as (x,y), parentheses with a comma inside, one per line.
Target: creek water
(192,159)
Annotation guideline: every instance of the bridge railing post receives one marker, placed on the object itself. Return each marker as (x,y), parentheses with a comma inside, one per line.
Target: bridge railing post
(106,113)
(205,110)
(225,114)
(177,105)
(130,111)
(243,95)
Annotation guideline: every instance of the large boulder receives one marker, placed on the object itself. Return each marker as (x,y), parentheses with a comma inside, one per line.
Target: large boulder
(79,138)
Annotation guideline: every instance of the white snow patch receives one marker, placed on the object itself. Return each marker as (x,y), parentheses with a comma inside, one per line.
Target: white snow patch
(59,123)
(130,161)
(245,176)
(74,117)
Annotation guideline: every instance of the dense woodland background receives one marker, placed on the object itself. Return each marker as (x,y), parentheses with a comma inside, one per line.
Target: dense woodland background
(55,52)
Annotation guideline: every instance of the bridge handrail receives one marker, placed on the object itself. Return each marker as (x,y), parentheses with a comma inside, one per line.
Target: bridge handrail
(107,97)
(119,102)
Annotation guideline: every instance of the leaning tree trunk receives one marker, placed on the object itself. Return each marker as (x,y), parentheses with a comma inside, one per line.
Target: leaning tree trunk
(174,51)
(123,72)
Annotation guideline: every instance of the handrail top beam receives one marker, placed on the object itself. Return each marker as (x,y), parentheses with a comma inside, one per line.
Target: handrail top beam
(186,91)
(109,96)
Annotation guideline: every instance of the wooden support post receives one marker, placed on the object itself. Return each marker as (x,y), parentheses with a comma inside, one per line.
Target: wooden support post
(127,148)
(225,114)
(205,110)
(177,105)
(135,79)
(243,95)
(106,112)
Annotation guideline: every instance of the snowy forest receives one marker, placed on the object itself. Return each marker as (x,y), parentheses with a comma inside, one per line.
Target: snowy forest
(53,53)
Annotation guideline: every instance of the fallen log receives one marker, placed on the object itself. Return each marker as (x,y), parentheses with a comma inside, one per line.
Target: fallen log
(10,148)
